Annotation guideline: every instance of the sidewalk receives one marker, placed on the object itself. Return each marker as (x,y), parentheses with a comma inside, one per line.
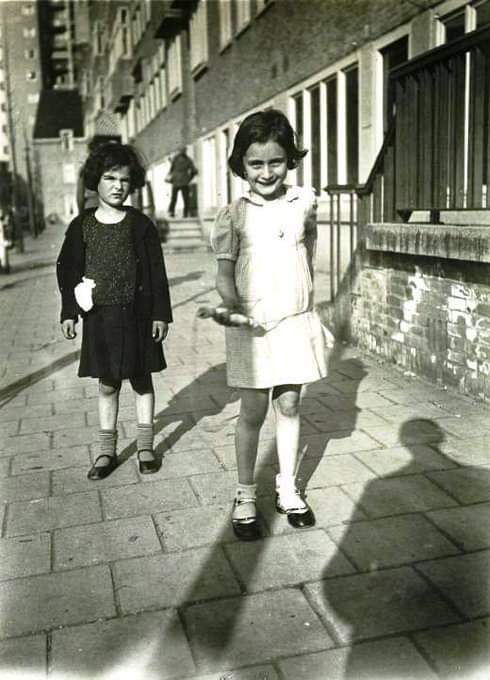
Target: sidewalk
(141,577)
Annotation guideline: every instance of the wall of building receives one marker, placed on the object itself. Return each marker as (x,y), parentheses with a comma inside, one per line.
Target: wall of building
(57,172)
(430,316)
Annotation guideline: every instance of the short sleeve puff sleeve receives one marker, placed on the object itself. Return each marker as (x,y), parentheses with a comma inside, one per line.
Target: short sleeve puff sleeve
(224,237)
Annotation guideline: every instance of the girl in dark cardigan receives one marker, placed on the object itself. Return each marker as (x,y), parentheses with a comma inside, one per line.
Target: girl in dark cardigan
(118,248)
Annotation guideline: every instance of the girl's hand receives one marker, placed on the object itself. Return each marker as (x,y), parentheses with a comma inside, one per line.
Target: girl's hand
(68,329)
(159,330)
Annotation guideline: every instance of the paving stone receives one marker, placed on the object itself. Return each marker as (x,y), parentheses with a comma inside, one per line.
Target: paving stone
(40,441)
(104,542)
(63,394)
(404,460)
(172,580)
(333,470)
(380,603)
(468,484)
(331,506)
(52,423)
(336,443)
(392,659)
(74,437)
(25,556)
(220,487)
(286,560)
(243,631)
(464,580)
(262,672)
(468,527)
(16,412)
(193,527)
(24,657)
(71,480)
(152,646)
(24,487)
(5,467)
(142,499)
(76,456)
(398,495)
(227,457)
(347,420)
(470,451)
(423,432)
(44,514)
(185,464)
(458,651)
(82,405)
(38,603)
(467,426)
(391,541)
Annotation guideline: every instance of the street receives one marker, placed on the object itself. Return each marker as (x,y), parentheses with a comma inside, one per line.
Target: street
(141,577)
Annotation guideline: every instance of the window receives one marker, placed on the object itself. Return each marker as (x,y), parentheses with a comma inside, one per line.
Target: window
(199,37)
(33,98)
(31,75)
(30,54)
(332,131)
(98,39)
(66,137)
(316,167)
(454,25)
(298,111)
(224,22)
(29,32)
(352,124)
(393,55)
(175,67)
(482,13)
(242,14)
(260,5)
(28,9)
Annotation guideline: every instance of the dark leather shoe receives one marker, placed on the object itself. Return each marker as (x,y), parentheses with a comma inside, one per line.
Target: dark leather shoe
(147,467)
(246,529)
(101,471)
(297,518)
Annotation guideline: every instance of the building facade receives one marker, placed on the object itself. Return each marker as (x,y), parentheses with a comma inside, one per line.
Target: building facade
(186,72)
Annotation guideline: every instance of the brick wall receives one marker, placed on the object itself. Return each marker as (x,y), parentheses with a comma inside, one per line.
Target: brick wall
(428,315)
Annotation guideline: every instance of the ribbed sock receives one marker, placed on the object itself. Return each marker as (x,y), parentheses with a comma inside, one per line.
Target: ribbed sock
(106,444)
(144,437)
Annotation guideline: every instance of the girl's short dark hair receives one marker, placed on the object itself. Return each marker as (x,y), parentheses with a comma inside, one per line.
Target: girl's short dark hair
(262,127)
(111,155)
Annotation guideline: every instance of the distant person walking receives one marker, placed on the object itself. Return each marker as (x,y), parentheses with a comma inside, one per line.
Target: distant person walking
(111,272)
(181,173)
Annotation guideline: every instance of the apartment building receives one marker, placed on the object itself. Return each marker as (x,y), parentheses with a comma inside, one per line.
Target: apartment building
(390,97)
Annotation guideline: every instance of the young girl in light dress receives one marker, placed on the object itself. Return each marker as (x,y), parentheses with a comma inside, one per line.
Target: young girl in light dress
(264,244)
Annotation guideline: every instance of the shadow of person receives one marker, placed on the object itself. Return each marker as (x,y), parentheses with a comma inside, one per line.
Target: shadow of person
(187,408)
(408,569)
(336,421)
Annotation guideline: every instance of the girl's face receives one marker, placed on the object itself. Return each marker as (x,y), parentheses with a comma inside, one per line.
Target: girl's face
(265,165)
(114,186)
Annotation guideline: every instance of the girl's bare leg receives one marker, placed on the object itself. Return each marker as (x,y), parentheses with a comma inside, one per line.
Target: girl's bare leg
(108,403)
(286,400)
(253,409)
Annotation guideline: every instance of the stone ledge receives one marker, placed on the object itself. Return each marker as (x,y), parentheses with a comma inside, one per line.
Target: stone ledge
(452,242)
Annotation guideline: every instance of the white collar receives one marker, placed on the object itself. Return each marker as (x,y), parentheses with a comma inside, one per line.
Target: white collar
(291,194)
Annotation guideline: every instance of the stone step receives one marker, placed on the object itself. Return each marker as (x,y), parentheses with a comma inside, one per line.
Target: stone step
(195,245)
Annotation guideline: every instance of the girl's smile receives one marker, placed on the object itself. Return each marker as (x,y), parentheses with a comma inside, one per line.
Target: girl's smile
(114,186)
(265,166)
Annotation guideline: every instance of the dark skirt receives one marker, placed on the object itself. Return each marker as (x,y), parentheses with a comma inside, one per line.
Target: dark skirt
(117,344)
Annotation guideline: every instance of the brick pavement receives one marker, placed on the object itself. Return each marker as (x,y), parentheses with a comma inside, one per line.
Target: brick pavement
(138,577)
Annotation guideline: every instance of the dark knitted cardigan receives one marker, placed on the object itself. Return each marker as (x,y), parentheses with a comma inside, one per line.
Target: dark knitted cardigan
(152,298)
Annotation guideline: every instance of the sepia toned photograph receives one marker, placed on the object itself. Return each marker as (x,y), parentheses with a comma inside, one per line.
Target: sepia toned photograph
(244,339)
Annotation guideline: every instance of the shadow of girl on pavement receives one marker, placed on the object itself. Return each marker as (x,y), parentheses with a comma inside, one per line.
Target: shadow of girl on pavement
(408,569)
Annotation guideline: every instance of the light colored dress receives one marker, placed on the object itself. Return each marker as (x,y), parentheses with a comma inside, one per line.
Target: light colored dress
(269,242)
